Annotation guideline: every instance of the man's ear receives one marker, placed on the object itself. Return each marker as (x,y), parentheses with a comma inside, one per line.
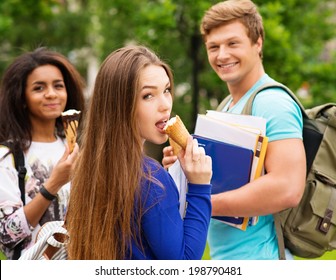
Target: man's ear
(259,45)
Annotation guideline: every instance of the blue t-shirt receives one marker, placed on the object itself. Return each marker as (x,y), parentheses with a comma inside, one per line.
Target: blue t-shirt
(284,121)
(165,235)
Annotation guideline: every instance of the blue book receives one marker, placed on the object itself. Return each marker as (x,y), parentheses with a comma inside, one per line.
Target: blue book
(231,166)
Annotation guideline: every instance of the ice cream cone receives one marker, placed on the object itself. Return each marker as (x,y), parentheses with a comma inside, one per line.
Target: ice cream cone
(176,147)
(177,131)
(70,121)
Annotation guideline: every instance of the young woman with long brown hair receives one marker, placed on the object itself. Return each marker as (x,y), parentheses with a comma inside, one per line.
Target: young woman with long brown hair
(124,205)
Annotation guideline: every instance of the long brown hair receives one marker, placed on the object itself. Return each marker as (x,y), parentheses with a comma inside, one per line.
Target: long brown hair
(104,213)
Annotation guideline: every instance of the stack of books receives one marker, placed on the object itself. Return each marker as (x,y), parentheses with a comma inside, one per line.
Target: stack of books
(237,145)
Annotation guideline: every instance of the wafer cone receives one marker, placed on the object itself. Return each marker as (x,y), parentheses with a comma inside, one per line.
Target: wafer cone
(70,121)
(176,147)
(177,131)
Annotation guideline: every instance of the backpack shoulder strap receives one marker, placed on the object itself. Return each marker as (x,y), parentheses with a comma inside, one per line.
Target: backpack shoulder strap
(19,166)
(247,110)
(223,103)
(280,237)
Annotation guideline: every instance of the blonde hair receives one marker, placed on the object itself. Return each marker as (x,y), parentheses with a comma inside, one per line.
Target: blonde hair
(244,11)
(104,212)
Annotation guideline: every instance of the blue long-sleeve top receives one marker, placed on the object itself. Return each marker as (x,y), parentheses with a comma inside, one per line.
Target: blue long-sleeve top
(165,235)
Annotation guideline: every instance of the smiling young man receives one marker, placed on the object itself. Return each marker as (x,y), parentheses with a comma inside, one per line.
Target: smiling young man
(234,35)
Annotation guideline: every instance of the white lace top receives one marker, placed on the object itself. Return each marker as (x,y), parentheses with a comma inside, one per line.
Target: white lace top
(39,161)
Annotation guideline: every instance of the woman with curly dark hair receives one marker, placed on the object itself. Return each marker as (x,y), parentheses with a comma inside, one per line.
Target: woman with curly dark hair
(36,88)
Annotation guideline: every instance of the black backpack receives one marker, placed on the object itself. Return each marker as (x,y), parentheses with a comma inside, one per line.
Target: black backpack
(20,167)
(309,230)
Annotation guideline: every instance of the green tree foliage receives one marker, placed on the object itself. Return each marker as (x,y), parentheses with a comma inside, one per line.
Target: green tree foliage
(27,24)
(296,34)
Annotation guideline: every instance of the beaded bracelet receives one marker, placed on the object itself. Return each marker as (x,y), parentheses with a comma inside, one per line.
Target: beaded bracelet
(46,194)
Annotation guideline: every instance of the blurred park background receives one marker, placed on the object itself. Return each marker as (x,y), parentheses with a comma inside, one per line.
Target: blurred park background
(299,51)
